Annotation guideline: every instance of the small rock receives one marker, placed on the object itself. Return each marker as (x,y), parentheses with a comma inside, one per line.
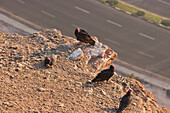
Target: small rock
(41,90)
(57,51)
(90,91)
(52,91)
(13,47)
(103,92)
(124,84)
(44,77)
(89,82)
(17,70)
(119,87)
(137,99)
(19,65)
(48,73)
(134,104)
(5,103)
(75,67)
(148,96)
(80,73)
(100,102)
(78,84)
(1,62)
(60,105)
(55,76)
(42,49)
(11,105)
(30,67)
(12,76)
(111,81)
(37,59)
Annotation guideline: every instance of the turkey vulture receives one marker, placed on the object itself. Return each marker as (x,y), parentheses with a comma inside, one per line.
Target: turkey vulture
(104,75)
(125,101)
(83,36)
(48,61)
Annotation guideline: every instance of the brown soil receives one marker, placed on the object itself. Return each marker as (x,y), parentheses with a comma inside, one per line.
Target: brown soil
(28,86)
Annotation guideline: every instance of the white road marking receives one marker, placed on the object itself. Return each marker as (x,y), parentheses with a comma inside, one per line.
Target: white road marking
(20,1)
(145,54)
(117,43)
(146,36)
(48,14)
(167,3)
(83,10)
(114,23)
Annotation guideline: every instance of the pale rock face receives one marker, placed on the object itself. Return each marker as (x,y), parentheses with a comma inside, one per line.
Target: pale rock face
(96,51)
(77,54)
(99,56)
(98,63)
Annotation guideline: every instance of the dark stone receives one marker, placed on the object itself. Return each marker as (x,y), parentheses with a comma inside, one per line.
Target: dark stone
(17,70)
(11,77)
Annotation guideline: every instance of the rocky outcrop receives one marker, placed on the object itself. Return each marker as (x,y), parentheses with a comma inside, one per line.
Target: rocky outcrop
(28,86)
(99,56)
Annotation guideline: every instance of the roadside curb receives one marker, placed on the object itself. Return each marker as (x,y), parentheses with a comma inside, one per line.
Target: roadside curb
(126,12)
(145,75)
(21,20)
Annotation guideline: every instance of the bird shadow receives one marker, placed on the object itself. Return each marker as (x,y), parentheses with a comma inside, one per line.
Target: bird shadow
(90,84)
(40,65)
(95,84)
(109,110)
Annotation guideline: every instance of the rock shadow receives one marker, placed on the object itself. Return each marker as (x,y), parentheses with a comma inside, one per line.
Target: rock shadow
(109,110)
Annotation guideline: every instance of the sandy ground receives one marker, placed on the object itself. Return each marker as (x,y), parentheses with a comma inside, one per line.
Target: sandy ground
(160,93)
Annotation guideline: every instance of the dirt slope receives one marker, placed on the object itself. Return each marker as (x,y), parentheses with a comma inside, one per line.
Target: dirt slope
(28,86)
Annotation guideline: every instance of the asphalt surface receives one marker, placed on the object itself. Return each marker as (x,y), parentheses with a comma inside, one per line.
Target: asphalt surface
(160,7)
(137,42)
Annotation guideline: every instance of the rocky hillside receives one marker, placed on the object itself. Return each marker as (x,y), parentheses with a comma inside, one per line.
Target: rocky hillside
(28,86)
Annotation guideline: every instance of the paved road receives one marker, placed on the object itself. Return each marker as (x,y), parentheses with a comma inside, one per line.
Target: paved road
(137,42)
(160,7)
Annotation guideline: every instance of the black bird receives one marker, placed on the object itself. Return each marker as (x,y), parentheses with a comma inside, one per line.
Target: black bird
(48,61)
(104,75)
(125,101)
(83,36)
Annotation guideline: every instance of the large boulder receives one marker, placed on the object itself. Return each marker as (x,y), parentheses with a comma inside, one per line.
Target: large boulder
(99,56)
